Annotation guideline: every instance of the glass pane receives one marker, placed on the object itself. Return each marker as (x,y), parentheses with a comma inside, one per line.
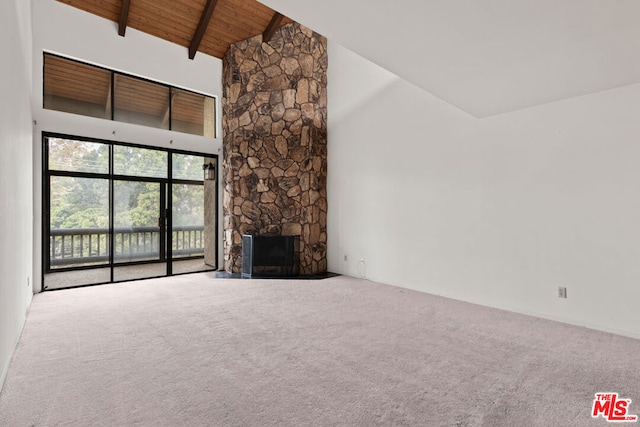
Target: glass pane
(78,156)
(79,221)
(182,266)
(76,88)
(188,220)
(66,279)
(139,271)
(136,209)
(186,166)
(188,111)
(141,102)
(135,161)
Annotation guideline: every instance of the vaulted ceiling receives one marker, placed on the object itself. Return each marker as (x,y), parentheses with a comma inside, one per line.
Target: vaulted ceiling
(487,56)
(207,26)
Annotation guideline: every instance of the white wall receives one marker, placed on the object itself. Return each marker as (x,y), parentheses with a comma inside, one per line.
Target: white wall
(497,211)
(16,209)
(61,29)
(491,56)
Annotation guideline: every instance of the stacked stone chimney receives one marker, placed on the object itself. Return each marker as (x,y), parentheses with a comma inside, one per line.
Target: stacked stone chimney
(275,143)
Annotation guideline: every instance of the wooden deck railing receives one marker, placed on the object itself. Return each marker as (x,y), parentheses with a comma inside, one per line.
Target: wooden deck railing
(86,246)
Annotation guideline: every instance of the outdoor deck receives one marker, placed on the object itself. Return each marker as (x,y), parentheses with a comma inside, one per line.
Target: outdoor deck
(70,248)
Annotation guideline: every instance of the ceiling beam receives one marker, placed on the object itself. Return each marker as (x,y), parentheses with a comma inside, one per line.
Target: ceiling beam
(272,27)
(202,27)
(124,17)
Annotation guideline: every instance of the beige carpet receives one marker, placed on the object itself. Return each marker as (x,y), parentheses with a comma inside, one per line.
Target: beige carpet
(199,351)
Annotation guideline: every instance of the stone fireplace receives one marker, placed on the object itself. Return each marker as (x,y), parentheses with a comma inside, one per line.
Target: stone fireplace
(275,143)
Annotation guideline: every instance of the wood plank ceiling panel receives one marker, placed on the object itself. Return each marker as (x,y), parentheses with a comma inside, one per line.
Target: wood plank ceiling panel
(71,80)
(108,9)
(203,23)
(167,19)
(232,23)
(135,95)
(188,107)
(177,20)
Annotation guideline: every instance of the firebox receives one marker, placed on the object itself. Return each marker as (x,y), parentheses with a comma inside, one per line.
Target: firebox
(270,256)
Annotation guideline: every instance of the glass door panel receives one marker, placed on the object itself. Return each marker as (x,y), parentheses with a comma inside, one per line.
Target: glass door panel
(78,230)
(188,235)
(188,220)
(109,208)
(138,230)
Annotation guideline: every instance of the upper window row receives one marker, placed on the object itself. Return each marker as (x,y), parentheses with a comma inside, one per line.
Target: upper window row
(79,88)
(69,155)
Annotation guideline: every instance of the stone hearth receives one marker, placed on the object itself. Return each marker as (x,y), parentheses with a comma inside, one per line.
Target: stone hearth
(275,143)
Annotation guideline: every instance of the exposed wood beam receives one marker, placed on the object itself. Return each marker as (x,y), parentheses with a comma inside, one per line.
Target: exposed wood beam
(272,27)
(124,17)
(202,27)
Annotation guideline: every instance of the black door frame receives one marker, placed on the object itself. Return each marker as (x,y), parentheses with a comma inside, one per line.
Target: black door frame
(166,185)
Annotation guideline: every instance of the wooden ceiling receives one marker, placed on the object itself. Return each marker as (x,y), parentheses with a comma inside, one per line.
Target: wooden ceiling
(207,26)
(72,80)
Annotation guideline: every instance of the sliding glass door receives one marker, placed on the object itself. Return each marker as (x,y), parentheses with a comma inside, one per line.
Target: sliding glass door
(139,231)
(187,214)
(118,212)
(79,237)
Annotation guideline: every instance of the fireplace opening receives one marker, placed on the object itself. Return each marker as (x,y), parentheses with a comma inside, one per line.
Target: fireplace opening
(270,256)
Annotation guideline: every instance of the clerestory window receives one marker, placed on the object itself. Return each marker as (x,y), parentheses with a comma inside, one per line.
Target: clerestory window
(75,87)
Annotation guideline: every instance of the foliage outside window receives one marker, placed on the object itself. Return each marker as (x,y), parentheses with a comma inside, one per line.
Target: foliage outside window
(94,184)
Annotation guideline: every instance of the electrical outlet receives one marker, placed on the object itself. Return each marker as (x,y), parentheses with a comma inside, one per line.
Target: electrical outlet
(562,292)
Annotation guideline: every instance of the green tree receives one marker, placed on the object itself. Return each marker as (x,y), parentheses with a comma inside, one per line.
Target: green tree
(84,202)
